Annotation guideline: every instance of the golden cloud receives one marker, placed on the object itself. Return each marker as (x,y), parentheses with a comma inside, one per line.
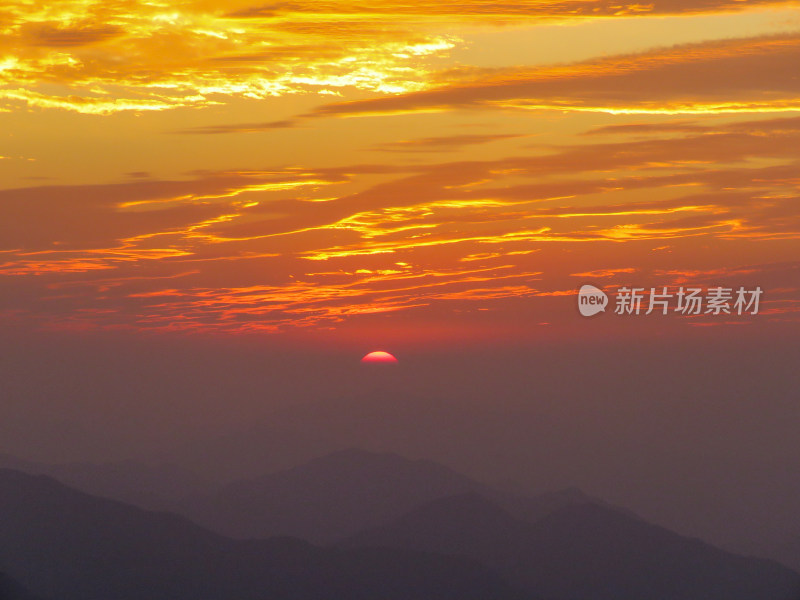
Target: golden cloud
(729,76)
(243,250)
(98,57)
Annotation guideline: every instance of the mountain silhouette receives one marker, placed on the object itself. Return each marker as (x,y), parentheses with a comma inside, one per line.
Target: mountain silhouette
(67,545)
(251,451)
(583,552)
(327,498)
(786,551)
(337,495)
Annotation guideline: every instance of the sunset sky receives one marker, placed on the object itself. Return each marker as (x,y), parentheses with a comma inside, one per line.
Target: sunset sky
(210,211)
(392,171)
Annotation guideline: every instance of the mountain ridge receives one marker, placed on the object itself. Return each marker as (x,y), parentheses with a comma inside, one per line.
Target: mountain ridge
(583,551)
(67,545)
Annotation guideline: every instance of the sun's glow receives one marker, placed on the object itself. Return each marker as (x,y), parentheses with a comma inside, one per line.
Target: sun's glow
(379,356)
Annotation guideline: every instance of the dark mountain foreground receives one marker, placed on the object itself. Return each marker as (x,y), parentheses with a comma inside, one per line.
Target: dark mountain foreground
(400,529)
(63,544)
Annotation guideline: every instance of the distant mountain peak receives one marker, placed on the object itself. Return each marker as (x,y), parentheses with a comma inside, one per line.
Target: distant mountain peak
(330,497)
(363,466)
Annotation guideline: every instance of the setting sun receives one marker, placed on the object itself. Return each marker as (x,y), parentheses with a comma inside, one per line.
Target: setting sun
(379,357)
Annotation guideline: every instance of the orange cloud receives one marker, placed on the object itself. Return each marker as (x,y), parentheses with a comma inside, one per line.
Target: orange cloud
(255,249)
(740,75)
(442,143)
(134,55)
(530,9)
(602,273)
